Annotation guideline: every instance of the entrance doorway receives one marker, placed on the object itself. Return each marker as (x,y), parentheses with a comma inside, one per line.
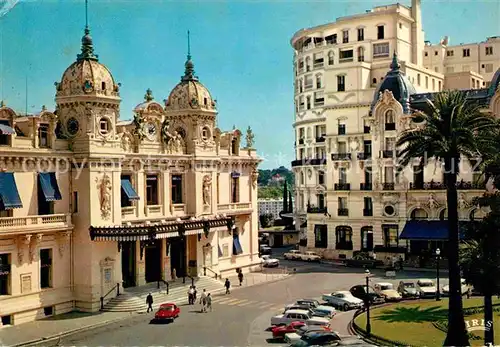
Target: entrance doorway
(153,261)
(128,263)
(207,255)
(178,255)
(278,240)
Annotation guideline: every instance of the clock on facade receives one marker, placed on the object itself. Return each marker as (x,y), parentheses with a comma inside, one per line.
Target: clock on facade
(72,126)
(150,130)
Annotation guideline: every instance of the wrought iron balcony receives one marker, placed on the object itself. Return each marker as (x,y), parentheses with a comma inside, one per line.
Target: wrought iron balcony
(344,212)
(388,153)
(427,186)
(342,186)
(309,161)
(365,186)
(367,212)
(364,156)
(462,185)
(341,156)
(390,126)
(388,186)
(322,210)
(320,139)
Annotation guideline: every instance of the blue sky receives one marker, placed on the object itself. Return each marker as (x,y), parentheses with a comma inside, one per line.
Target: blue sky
(240,49)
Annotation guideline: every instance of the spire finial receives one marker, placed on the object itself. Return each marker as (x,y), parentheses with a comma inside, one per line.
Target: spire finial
(395,63)
(149,95)
(189,66)
(87,45)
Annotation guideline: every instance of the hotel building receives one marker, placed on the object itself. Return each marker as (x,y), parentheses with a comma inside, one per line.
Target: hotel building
(352,99)
(89,201)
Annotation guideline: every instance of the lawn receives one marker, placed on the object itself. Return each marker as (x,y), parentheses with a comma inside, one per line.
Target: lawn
(411,322)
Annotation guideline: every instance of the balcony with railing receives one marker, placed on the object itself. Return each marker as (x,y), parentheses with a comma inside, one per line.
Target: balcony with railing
(129,212)
(387,186)
(367,212)
(342,186)
(234,206)
(427,185)
(365,186)
(341,156)
(309,161)
(320,139)
(462,185)
(313,209)
(364,156)
(343,212)
(35,223)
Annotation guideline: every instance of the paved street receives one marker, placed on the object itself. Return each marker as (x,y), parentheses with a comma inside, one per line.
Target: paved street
(239,318)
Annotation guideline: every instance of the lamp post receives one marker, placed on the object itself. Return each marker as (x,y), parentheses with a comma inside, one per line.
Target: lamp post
(438,292)
(367,303)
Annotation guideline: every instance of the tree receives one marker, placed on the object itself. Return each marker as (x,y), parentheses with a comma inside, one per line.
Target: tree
(452,128)
(266,220)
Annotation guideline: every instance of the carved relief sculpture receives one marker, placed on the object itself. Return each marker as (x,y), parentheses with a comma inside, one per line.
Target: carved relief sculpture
(105,198)
(22,242)
(432,201)
(255,176)
(34,246)
(250,137)
(207,185)
(63,242)
(462,202)
(138,126)
(126,142)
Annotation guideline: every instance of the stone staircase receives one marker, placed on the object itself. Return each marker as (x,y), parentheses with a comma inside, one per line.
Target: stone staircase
(134,299)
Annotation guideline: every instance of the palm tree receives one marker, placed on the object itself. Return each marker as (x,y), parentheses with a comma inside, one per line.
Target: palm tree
(452,129)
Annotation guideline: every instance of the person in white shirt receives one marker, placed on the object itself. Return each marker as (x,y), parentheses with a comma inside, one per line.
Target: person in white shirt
(203,301)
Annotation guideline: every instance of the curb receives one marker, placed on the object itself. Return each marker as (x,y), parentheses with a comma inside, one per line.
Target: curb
(72,331)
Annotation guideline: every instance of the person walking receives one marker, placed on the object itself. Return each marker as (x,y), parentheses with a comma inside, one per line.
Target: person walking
(149,302)
(203,301)
(401,262)
(195,294)
(191,295)
(240,277)
(209,302)
(227,284)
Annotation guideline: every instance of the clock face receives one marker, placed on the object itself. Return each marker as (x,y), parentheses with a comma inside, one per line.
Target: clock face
(150,130)
(72,126)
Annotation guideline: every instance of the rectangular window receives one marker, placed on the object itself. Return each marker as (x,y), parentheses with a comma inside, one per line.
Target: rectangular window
(342,175)
(345,36)
(426,81)
(341,129)
(380,32)
(342,201)
(321,201)
(361,34)
(176,183)
(368,205)
(308,82)
(151,190)
(320,236)
(318,60)
(488,67)
(75,202)
(225,250)
(390,143)
(367,147)
(342,147)
(45,268)
(390,233)
(368,176)
(418,79)
(389,174)
(381,50)
(321,177)
(331,58)
(346,56)
(341,83)
(319,99)
(466,52)
(418,177)
(5,274)
(449,53)
(218,187)
(235,189)
(43,136)
(489,50)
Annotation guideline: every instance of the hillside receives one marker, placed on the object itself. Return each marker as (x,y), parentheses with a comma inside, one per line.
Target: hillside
(271,182)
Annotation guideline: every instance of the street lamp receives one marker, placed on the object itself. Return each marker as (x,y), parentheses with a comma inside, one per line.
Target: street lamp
(367,303)
(438,292)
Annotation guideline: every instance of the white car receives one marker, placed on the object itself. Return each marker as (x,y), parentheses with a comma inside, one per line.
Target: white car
(292,255)
(426,287)
(343,299)
(463,288)
(310,256)
(318,311)
(267,261)
(298,316)
(387,290)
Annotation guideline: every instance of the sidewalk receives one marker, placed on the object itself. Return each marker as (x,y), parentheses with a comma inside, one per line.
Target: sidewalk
(56,327)
(51,329)
(406,268)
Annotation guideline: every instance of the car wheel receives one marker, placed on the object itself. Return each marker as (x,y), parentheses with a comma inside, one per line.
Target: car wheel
(346,307)
(309,260)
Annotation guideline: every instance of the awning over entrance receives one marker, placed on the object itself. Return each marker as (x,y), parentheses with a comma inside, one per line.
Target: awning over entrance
(6,130)
(129,190)
(429,230)
(9,195)
(144,232)
(237,245)
(50,188)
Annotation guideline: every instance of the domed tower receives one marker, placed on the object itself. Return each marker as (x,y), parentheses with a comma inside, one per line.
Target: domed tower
(192,111)
(88,101)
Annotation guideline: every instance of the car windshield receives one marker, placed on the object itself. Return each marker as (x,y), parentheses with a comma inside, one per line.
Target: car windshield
(426,284)
(409,285)
(168,308)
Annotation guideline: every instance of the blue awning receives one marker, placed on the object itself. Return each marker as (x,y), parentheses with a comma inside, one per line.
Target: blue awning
(9,195)
(50,188)
(6,130)
(236,245)
(235,174)
(221,254)
(428,230)
(129,190)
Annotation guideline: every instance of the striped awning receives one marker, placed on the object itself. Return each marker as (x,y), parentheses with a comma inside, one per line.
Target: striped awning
(194,232)
(6,130)
(167,235)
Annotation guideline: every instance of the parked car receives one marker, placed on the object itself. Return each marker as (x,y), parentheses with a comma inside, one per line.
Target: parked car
(408,290)
(300,316)
(310,256)
(387,290)
(426,287)
(359,292)
(292,255)
(463,288)
(265,250)
(310,302)
(316,338)
(167,312)
(267,261)
(364,260)
(318,311)
(294,336)
(279,332)
(343,299)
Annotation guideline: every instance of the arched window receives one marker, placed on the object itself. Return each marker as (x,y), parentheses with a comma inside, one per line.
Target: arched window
(361,54)
(343,236)
(367,239)
(374,81)
(300,86)
(389,117)
(321,177)
(331,58)
(318,81)
(302,179)
(308,63)
(418,214)
(308,102)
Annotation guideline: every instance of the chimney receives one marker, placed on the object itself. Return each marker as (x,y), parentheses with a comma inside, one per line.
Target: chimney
(417,35)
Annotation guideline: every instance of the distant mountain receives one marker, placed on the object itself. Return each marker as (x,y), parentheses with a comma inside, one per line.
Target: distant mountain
(271,182)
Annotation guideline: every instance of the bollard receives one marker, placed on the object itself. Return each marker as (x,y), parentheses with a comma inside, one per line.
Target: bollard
(167,287)
(184,279)
(204,271)
(192,281)
(158,284)
(117,289)
(102,303)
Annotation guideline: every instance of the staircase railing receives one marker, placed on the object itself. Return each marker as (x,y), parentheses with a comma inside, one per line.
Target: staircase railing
(117,287)
(161,280)
(205,268)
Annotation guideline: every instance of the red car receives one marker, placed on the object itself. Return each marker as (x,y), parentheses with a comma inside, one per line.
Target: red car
(280,331)
(167,312)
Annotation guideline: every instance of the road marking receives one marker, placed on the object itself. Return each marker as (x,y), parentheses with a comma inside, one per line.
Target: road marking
(225,302)
(277,308)
(264,305)
(237,302)
(248,303)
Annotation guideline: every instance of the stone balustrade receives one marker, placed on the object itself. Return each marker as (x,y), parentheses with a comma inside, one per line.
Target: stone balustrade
(39,223)
(234,206)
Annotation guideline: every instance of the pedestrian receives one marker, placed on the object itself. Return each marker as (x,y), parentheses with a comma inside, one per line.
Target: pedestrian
(174,274)
(149,301)
(203,301)
(209,302)
(240,277)
(401,261)
(227,284)
(469,293)
(191,295)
